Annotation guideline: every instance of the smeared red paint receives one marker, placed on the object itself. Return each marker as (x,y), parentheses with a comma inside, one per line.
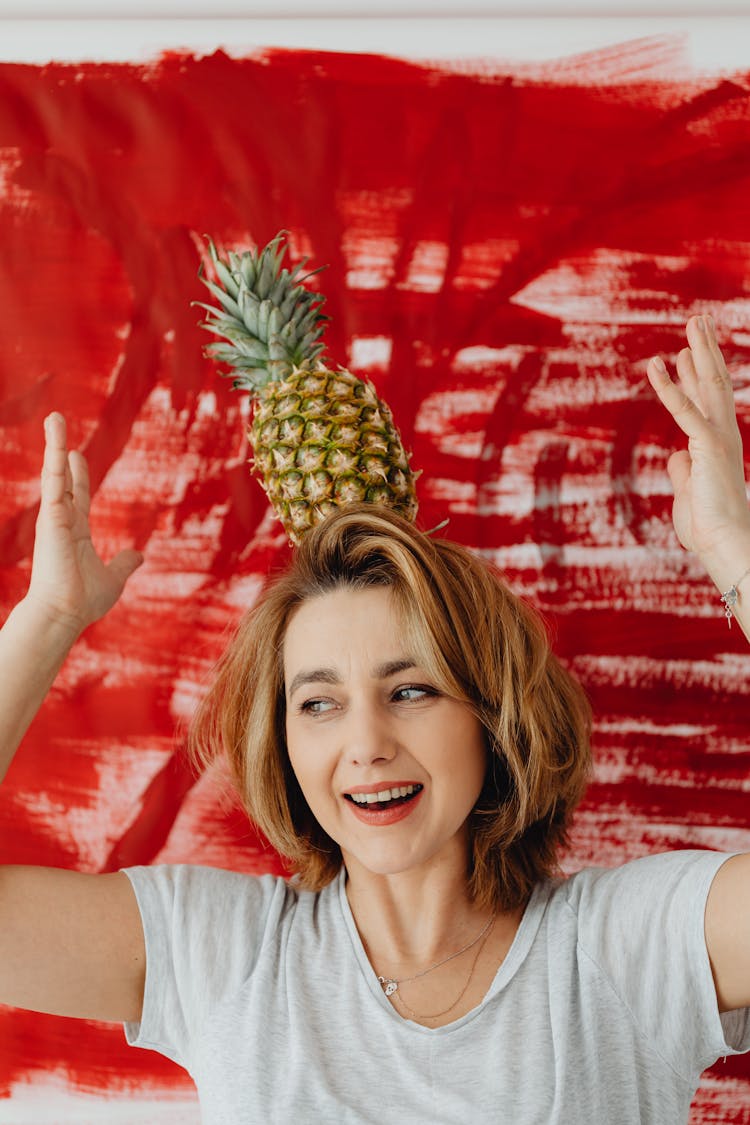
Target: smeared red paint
(569,229)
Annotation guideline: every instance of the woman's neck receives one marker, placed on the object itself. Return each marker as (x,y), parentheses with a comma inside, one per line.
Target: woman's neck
(412,918)
(435,951)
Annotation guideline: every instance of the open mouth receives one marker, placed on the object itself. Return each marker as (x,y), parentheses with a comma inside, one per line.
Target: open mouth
(385,798)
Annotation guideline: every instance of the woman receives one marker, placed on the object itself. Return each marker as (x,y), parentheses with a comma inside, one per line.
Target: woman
(397,725)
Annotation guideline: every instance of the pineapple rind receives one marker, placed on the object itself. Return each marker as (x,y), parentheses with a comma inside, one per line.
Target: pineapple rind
(306,468)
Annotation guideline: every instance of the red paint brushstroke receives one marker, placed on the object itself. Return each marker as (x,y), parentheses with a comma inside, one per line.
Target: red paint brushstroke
(567,227)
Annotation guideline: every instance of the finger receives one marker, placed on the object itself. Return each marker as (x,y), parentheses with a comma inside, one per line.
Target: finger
(79,472)
(678,467)
(688,377)
(711,371)
(682,408)
(123,565)
(55,470)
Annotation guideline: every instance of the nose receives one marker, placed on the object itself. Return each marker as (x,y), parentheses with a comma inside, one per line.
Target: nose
(368,736)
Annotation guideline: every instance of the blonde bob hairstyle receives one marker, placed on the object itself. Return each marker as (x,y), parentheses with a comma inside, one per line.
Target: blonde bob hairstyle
(477,641)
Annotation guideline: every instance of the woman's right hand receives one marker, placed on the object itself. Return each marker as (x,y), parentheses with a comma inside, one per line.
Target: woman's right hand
(69,581)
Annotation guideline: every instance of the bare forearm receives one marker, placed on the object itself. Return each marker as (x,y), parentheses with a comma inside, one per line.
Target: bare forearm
(70,588)
(33,647)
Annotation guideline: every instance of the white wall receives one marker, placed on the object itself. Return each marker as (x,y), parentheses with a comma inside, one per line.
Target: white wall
(707,44)
(277,9)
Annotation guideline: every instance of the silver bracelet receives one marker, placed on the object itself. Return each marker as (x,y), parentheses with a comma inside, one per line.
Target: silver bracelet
(731,598)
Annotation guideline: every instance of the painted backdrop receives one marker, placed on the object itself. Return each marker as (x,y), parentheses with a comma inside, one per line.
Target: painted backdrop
(507,245)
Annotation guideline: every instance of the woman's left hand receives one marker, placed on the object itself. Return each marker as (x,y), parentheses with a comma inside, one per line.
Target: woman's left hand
(710,513)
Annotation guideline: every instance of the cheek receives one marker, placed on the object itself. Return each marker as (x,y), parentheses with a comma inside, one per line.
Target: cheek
(296,757)
(475,779)
(309,766)
(299,762)
(472,768)
(316,787)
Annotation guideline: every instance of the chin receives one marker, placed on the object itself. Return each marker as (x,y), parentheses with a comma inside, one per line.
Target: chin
(385,862)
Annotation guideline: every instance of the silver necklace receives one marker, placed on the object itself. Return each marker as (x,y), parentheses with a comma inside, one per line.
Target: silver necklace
(444,1012)
(390,984)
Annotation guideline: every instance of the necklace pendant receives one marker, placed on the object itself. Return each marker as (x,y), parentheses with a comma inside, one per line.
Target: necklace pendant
(389,986)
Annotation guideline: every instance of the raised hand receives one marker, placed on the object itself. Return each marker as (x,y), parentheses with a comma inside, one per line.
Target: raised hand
(69,581)
(711,514)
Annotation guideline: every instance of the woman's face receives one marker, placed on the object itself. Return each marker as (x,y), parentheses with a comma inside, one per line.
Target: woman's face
(365,720)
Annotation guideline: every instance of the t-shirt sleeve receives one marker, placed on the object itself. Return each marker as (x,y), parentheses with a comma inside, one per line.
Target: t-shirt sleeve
(203,928)
(643,926)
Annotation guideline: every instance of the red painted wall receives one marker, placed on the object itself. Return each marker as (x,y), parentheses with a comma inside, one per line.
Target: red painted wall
(507,245)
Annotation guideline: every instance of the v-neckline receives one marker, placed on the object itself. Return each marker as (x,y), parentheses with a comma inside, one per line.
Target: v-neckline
(509,966)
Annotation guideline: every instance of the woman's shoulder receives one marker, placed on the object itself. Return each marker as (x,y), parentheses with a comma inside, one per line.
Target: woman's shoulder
(195,913)
(607,906)
(627,934)
(201,875)
(661,873)
(186,892)
(199,888)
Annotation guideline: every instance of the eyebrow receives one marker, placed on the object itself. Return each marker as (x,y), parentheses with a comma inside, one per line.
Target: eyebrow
(330,676)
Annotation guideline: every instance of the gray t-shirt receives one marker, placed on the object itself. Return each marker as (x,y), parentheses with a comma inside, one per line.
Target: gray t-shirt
(603,1012)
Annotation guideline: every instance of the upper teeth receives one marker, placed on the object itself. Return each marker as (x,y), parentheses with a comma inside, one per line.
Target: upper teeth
(383,794)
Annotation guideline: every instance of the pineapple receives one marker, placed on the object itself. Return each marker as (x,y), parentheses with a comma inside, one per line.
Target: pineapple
(321,437)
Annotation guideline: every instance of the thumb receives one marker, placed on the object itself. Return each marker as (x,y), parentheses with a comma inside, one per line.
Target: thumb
(678,467)
(123,565)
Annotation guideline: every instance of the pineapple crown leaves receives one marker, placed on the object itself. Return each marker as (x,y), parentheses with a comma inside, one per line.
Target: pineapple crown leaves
(271,324)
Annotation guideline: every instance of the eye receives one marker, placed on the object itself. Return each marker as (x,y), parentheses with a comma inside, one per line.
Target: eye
(413,693)
(316,706)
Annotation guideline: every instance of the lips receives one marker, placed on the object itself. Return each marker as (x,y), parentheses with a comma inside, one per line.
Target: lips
(396,807)
(384,794)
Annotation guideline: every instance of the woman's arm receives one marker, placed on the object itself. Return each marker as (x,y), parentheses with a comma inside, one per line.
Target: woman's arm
(70,944)
(70,588)
(712,518)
